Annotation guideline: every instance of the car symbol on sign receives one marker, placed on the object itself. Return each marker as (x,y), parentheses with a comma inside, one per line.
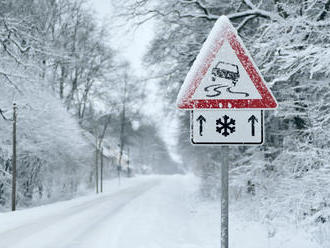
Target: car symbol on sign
(226,70)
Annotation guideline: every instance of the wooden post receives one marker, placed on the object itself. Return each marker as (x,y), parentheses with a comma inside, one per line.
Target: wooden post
(224,197)
(101,169)
(13,192)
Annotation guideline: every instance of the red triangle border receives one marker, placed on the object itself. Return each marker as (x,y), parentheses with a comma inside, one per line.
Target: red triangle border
(266,102)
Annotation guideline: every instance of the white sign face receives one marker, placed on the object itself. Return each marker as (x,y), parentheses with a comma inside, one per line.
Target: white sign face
(226,78)
(227,127)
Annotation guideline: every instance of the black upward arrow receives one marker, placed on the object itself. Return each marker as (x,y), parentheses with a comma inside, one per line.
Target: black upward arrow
(253,119)
(201,119)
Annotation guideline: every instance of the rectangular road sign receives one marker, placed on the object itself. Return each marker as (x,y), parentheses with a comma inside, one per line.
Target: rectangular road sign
(220,127)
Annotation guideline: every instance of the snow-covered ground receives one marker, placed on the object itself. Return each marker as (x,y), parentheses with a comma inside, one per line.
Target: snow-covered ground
(143,212)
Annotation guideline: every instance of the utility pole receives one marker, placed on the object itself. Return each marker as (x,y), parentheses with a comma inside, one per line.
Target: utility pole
(128,169)
(101,169)
(98,144)
(13,192)
(224,197)
(122,127)
(96,165)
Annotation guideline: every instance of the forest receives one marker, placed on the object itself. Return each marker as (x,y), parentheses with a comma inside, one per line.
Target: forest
(74,96)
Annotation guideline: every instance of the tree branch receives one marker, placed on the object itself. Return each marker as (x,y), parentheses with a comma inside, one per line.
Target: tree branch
(4,117)
(11,82)
(244,22)
(324,12)
(255,12)
(199,5)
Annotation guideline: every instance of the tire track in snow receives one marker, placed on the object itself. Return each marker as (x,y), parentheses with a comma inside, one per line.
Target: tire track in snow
(29,233)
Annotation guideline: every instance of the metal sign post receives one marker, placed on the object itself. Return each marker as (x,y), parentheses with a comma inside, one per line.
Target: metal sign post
(224,197)
(101,170)
(13,192)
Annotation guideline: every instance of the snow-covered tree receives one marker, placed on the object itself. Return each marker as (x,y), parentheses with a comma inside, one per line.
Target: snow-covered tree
(289,41)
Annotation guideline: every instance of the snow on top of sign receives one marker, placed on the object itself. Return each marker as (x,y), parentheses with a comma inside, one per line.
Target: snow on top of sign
(208,47)
(222,32)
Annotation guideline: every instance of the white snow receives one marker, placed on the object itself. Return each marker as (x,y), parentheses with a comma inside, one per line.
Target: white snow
(144,212)
(221,24)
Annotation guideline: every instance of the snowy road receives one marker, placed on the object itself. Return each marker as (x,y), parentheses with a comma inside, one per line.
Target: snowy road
(76,225)
(121,217)
(144,212)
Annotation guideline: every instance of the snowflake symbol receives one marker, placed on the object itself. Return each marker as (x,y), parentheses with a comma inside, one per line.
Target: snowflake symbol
(227,126)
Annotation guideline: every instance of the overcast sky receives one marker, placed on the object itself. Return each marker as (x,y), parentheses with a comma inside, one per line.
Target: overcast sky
(132,46)
(131,43)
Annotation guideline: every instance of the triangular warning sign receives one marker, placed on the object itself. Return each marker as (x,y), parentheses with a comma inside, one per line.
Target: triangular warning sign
(224,75)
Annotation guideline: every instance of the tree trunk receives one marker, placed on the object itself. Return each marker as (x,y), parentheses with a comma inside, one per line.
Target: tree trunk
(62,81)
